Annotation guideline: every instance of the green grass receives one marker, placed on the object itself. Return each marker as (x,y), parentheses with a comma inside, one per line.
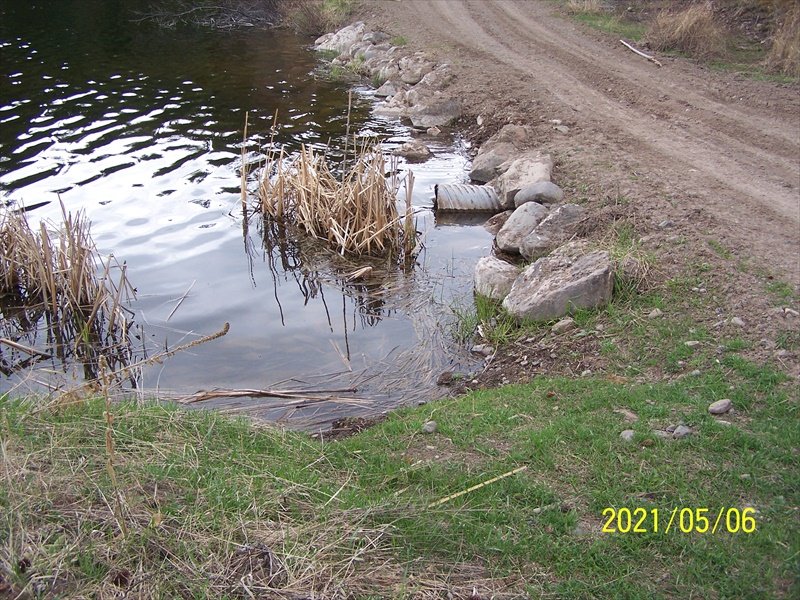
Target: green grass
(399,40)
(612,24)
(196,487)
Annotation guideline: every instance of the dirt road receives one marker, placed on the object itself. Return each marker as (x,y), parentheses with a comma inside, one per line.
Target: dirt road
(682,142)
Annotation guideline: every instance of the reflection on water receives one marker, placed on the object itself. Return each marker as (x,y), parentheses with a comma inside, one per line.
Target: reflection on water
(141,128)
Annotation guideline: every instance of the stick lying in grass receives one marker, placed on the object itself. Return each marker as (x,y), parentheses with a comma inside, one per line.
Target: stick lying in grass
(479,486)
(640,53)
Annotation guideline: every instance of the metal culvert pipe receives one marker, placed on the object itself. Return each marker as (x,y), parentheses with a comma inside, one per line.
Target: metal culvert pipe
(465,197)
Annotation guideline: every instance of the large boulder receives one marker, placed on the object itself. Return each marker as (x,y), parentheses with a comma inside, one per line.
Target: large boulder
(532,167)
(543,192)
(572,277)
(519,225)
(437,110)
(486,165)
(342,40)
(494,277)
(558,227)
(495,223)
(439,78)
(390,88)
(498,150)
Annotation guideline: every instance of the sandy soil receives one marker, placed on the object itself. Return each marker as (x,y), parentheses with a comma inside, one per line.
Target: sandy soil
(716,154)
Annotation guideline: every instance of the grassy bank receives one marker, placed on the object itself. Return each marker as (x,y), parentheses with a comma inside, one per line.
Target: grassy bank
(190,504)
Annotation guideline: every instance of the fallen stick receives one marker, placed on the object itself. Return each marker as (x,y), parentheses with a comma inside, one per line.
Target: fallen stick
(26,349)
(640,53)
(202,396)
(477,487)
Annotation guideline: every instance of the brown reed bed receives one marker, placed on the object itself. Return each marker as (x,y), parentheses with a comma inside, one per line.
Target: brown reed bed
(356,213)
(57,274)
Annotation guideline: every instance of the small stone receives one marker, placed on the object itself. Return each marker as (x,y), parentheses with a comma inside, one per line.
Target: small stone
(737,322)
(563,326)
(666,224)
(681,431)
(655,313)
(671,428)
(586,373)
(561,128)
(783,353)
(692,343)
(723,422)
(429,427)
(790,312)
(628,415)
(484,349)
(720,407)
(662,434)
(627,435)
(433,131)
(744,476)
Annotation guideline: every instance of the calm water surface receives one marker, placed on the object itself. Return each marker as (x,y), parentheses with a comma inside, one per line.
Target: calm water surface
(141,128)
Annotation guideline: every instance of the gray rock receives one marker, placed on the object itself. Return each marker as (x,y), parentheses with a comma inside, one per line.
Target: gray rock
(342,40)
(433,131)
(666,435)
(494,277)
(561,128)
(413,150)
(484,349)
(655,313)
(682,431)
(564,325)
(440,111)
(429,427)
(692,344)
(555,285)
(720,407)
(666,224)
(543,192)
(486,165)
(413,68)
(532,167)
(628,415)
(737,322)
(497,150)
(519,225)
(376,37)
(627,435)
(559,226)
(441,77)
(389,89)
(495,223)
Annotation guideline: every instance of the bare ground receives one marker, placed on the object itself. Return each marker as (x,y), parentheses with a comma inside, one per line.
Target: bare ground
(715,153)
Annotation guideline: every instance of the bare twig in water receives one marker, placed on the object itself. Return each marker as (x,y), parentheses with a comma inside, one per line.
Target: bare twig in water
(180,300)
(202,396)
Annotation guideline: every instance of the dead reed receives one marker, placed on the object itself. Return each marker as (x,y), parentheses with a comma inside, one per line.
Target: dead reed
(784,53)
(694,30)
(356,214)
(57,273)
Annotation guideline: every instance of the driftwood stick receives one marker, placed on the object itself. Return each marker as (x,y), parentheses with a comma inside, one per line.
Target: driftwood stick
(477,487)
(640,53)
(180,300)
(22,348)
(202,396)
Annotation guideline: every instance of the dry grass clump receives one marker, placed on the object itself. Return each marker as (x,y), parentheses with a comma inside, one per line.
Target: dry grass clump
(784,54)
(693,30)
(59,274)
(356,215)
(585,7)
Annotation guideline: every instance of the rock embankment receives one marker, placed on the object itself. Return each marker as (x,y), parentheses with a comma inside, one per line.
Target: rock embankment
(567,274)
(412,84)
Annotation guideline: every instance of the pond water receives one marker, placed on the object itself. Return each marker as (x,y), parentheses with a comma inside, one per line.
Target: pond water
(141,128)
